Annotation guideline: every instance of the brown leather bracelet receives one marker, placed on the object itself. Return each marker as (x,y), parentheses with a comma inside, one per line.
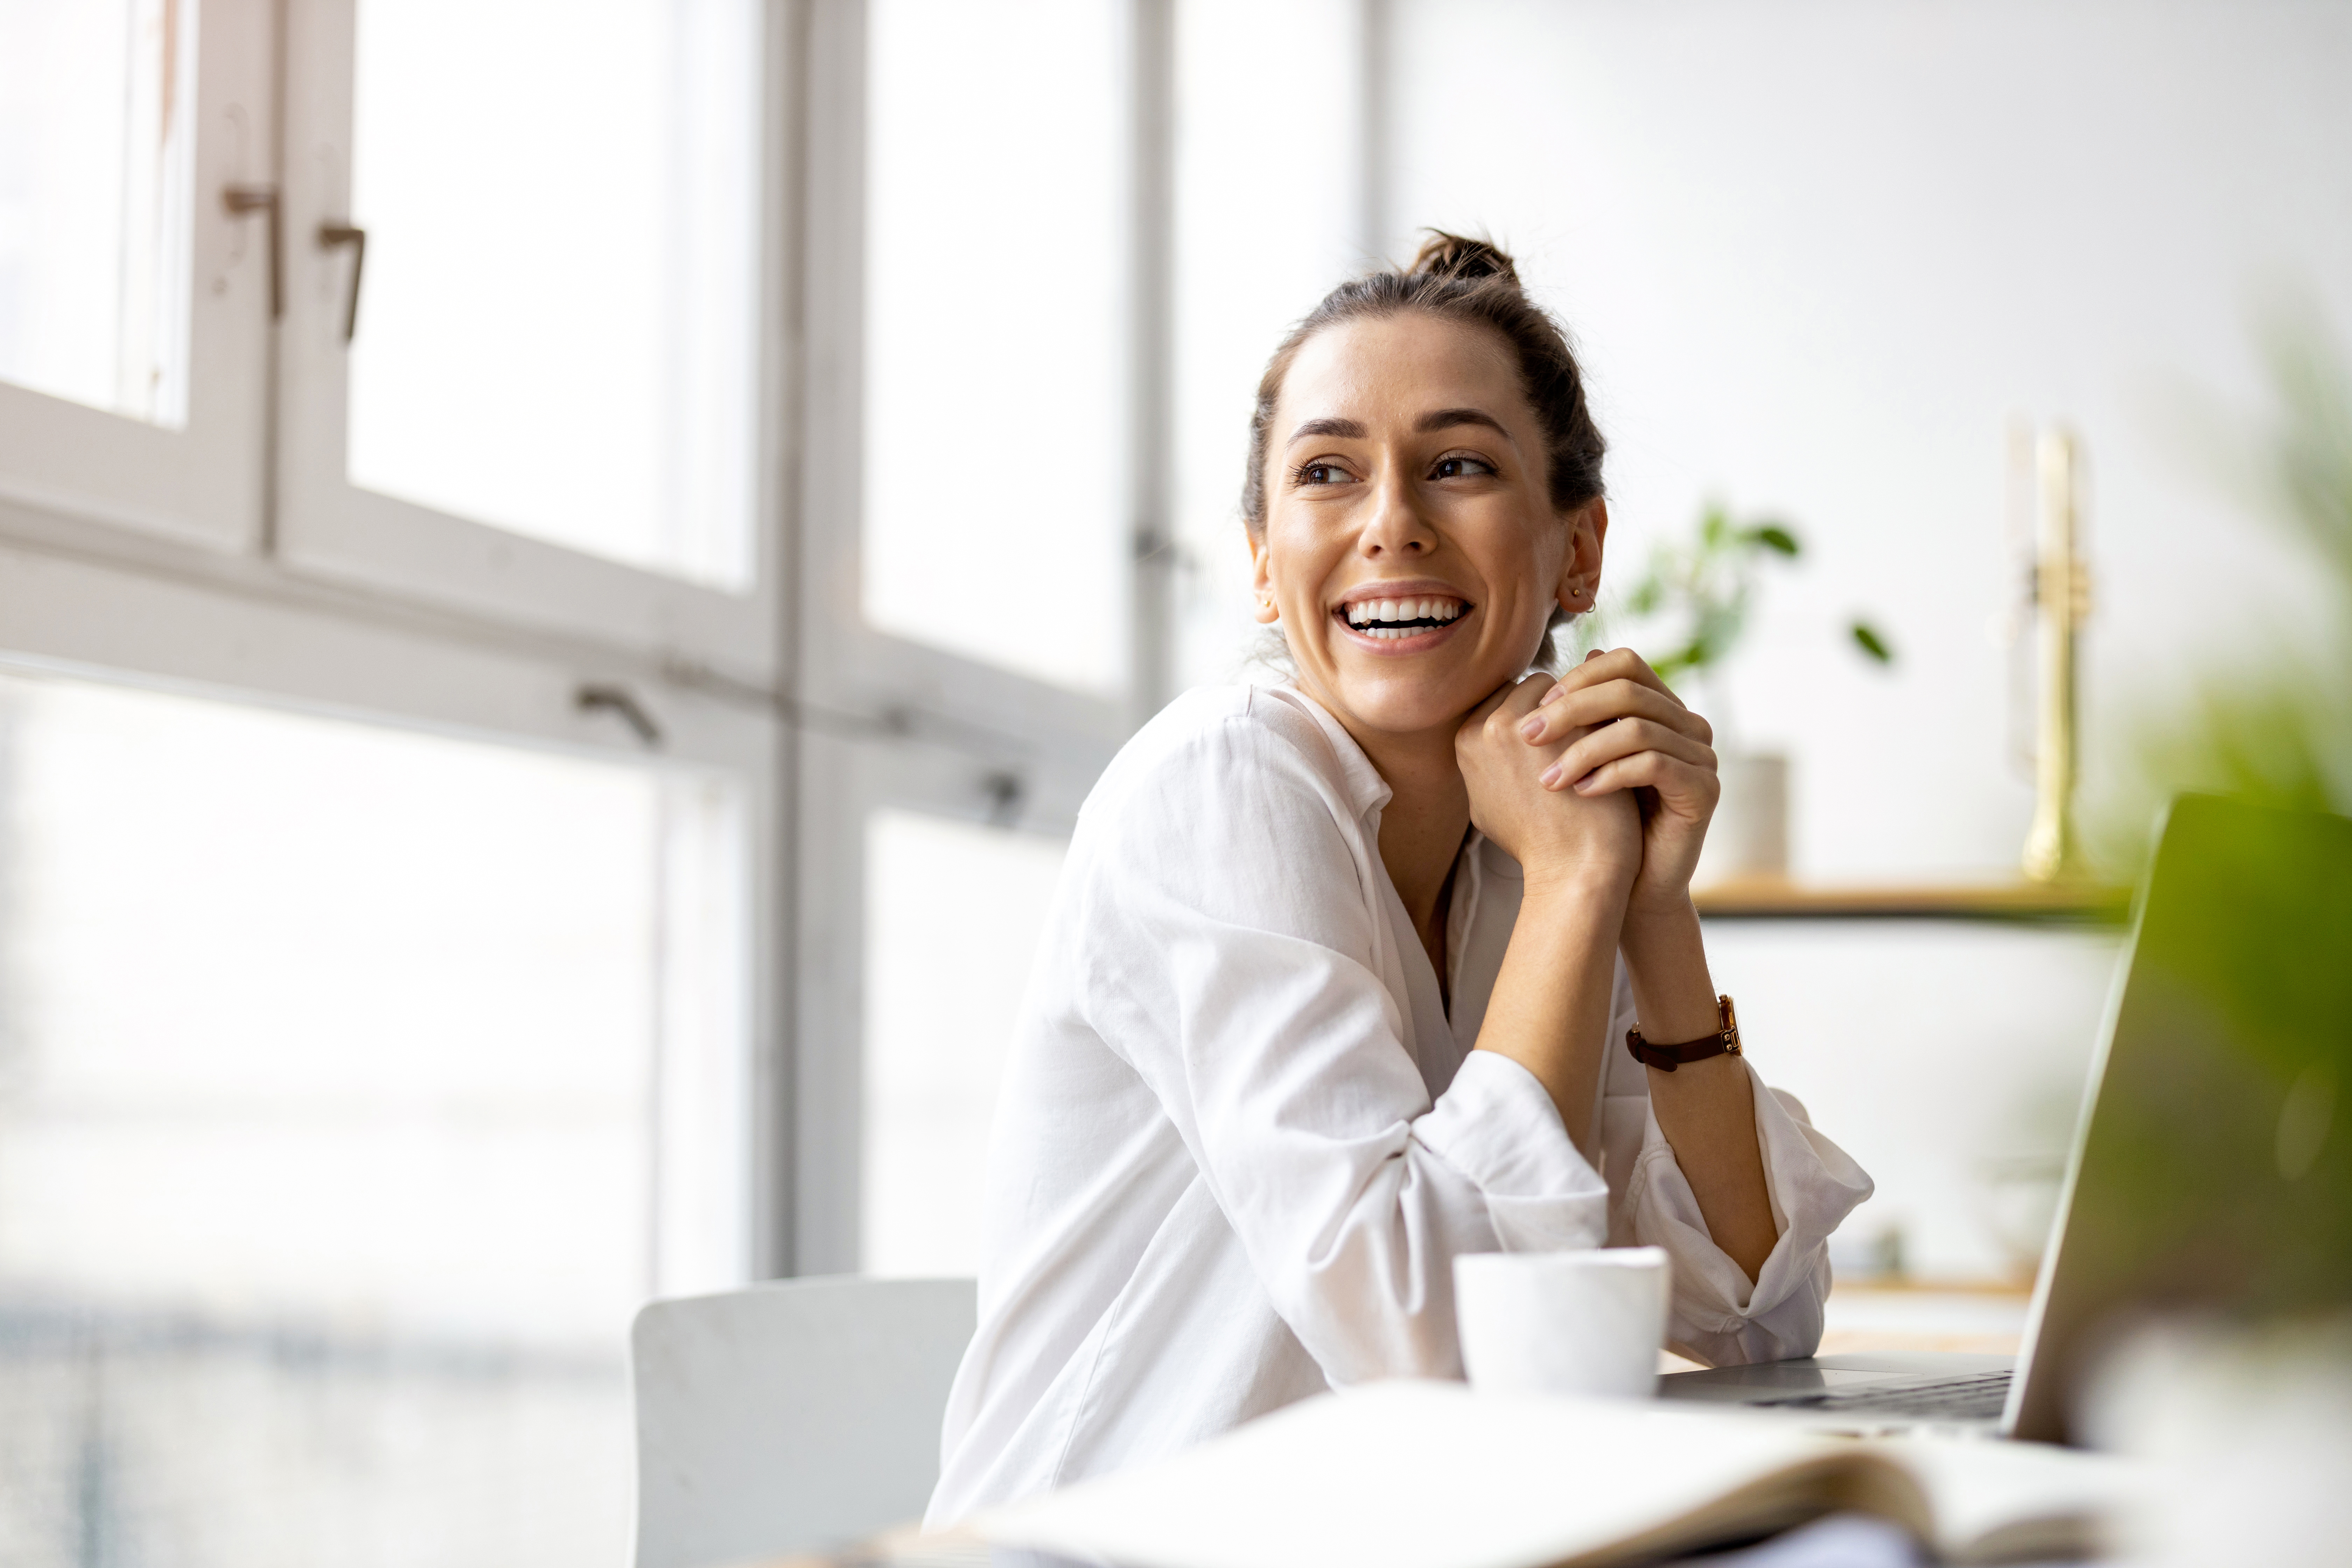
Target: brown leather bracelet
(1666,1059)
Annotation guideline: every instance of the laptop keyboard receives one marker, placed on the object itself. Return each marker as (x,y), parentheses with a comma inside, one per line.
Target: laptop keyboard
(1971,1398)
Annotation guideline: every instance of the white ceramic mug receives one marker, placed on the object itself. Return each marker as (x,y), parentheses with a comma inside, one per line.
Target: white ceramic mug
(1563,1322)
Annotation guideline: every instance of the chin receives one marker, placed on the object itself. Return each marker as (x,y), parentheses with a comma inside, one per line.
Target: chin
(1407,702)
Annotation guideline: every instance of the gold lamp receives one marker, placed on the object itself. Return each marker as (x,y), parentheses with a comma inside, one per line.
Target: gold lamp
(2062,603)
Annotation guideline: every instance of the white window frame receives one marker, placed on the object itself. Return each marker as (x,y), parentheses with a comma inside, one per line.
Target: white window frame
(331,527)
(885,721)
(466,631)
(202,484)
(154,558)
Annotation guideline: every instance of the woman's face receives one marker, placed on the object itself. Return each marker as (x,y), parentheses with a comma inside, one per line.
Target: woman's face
(1410,551)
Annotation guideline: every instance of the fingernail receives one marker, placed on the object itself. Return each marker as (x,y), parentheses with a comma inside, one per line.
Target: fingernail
(1553,696)
(1551,776)
(1533,727)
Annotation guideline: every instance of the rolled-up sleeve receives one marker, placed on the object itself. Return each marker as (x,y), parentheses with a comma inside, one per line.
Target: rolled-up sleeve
(1719,1317)
(1250,998)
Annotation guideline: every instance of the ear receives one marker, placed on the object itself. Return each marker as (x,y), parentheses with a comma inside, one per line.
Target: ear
(1578,588)
(1262,584)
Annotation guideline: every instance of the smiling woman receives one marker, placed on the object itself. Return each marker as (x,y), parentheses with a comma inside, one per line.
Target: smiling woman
(1327,995)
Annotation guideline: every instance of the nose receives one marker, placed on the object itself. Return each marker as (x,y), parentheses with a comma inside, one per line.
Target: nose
(1394,525)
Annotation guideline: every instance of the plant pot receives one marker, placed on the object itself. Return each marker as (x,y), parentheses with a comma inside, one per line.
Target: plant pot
(1748,839)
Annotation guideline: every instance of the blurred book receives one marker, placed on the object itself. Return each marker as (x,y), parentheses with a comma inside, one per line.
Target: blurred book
(1435,1475)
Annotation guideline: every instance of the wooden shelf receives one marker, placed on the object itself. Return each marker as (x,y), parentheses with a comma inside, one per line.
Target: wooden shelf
(2034,902)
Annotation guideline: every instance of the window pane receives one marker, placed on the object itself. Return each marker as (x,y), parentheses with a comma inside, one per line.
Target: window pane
(341,1077)
(1256,246)
(995,518)
(559,332)
(97,132)
(953,913)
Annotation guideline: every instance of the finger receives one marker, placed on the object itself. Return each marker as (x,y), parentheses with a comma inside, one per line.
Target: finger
(1487,705)
(1694,790)
(1518,701)
(1626,738)
(1616,664)
(1594,705)
(1501,712)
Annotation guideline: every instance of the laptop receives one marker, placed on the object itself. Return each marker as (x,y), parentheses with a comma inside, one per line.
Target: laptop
(2212,1171)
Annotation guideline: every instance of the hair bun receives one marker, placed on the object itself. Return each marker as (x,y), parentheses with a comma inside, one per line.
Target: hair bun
(1445,255)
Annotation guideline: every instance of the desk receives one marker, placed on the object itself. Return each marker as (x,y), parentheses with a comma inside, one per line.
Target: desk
(1987,1319)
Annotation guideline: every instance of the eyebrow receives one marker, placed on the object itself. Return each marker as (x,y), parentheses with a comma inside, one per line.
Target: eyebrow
(1444,418)
(1352,429)
(1437,419)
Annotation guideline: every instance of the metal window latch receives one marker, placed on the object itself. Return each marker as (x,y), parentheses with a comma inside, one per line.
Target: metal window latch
(242,200)
(334,233)
(595,696)
(1006,792)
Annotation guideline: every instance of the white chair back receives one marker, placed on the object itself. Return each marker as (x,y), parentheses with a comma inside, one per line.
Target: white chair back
(790,1417)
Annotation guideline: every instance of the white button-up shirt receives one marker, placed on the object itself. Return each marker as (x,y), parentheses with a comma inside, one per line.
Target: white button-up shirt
(1240,1139)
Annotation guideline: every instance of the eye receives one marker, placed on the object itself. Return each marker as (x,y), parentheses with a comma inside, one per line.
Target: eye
(1461,465)
(1321,473)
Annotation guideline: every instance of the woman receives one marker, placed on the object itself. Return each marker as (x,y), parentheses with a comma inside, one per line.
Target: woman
(1331,988)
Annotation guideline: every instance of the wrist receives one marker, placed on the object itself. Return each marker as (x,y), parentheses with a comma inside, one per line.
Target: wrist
(1665,958)
(1659,906)
(1582,886)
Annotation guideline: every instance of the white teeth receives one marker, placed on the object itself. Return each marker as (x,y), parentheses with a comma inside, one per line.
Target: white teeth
(1366,615)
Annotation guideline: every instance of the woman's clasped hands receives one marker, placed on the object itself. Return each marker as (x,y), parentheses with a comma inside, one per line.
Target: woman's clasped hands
(1601,776)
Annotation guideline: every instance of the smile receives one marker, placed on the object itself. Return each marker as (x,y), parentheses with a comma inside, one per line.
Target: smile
(1397,620)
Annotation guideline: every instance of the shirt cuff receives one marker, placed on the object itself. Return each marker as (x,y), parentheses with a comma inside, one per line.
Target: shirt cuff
(1813,1185)
(1496,1124)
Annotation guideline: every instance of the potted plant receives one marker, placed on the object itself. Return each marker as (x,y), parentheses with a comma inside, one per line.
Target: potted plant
(1694,595)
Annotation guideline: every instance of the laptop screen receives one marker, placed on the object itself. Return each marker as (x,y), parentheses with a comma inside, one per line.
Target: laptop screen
(2214,1170)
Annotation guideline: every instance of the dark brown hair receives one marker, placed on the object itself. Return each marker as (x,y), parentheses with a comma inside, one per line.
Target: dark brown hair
(1457,279)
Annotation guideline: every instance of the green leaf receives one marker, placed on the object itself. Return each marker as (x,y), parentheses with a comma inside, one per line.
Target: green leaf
(1773,536)
(1690,656)
(1868,638)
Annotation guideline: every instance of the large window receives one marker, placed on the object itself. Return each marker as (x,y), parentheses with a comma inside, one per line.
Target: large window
(986,186)
(134,304)
(561,292)
(953,914)
(393,776)
(521,351)
(996,238)
(98,113)
(357,1084)
(565,571)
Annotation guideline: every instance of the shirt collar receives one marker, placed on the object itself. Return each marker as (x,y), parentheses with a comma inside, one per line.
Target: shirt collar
(1366,790)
